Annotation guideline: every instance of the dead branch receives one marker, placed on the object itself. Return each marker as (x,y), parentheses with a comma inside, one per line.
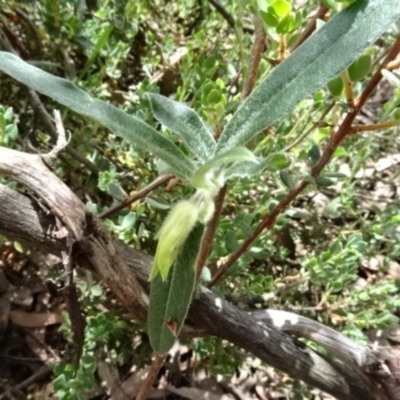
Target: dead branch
(85,234)
(121,267)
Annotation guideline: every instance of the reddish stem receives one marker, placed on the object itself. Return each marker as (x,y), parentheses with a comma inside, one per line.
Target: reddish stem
(336,139)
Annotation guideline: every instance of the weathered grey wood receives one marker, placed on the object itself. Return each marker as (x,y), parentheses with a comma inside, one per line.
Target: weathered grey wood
(94,249)
(83,233)
(338,344)
(281,351)
(21,217)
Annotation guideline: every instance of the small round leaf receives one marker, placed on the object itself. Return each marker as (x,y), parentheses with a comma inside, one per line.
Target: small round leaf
(360,68)
(128,221)
(281,7)
(214,97)
(286,25)
(96,290)
(335,86)
(269,19)
(278,161)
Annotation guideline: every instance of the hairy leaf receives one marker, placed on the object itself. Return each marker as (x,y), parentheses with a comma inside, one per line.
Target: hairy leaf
(170,299)
(322,57)
(185,122)
(237,154)
(122,124)
(274,161)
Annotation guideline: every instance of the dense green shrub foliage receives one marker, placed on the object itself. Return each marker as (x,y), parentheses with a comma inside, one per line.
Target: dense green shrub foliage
(157,88)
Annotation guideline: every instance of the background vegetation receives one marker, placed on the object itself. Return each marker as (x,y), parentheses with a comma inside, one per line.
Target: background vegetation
(332,256)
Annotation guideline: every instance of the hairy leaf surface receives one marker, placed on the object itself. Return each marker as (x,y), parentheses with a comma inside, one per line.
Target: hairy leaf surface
(318,60)
(186,123)
(122,124)
(170,299)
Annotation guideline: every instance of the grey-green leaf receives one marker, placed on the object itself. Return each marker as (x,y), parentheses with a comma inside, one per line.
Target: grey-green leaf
(287,179)
(275,161)
(122,124)
(297,213)
(158,202)
(170,299)
(185,122)
(237,154)
(246,228)
(324,181)
(244,170)
(322,57)
(231,241)
(314,154)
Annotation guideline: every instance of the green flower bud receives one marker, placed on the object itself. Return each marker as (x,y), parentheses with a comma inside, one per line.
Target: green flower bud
(173,233)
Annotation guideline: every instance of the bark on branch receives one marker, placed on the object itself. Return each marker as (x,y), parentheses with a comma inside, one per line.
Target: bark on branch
(125,271)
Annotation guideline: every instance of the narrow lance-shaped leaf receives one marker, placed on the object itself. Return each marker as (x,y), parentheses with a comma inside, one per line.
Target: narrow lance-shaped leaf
(186,123)
(322,57)
(101,41)
(170,299)
(122,124)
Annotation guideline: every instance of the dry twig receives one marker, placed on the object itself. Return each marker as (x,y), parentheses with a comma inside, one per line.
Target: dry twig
(142,193)
(150,378)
